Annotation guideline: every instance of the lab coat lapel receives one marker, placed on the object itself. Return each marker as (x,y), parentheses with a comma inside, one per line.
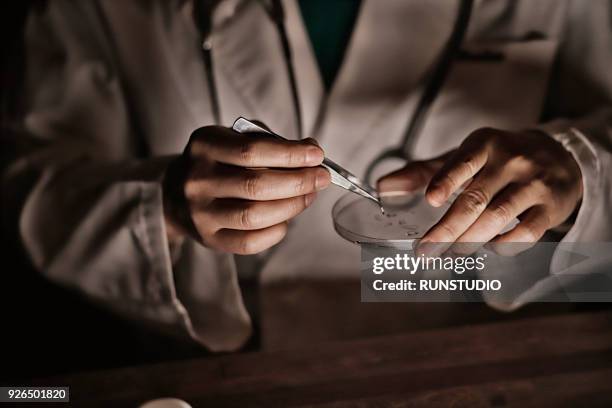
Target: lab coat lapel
(158,59)
(251,68)
(310,83)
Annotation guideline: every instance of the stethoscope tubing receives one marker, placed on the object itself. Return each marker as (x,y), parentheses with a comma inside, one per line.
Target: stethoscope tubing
(434,84)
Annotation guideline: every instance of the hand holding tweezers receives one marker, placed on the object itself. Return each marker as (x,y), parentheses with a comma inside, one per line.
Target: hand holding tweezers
(339,175)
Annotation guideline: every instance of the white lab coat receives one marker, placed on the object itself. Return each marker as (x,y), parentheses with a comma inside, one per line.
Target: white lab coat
(116,87)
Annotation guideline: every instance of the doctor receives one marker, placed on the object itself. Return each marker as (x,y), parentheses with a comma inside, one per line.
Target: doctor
(116,89)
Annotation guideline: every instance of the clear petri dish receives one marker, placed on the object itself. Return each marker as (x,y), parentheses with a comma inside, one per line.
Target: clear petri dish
(407,217)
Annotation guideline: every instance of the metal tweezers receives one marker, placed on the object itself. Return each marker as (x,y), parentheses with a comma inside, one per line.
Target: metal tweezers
(339,175)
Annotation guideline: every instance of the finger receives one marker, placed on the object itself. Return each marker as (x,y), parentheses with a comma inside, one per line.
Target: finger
(254,150)
(459,168)
(259,185)
(414,176)
(504,208)
(254,215)
(263,125)
(534,223)
(467,207)
(248,242)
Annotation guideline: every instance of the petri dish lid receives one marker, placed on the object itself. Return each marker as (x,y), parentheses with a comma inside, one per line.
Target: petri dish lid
(407,217)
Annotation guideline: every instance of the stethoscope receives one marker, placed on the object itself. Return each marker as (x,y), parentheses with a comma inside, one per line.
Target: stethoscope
(434,82)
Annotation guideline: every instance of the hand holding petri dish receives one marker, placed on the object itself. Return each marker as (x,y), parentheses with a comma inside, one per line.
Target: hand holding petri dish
(407,217)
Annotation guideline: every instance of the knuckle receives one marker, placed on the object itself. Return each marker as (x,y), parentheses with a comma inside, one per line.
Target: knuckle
(502,213)
(474,200)
(296,206)
(306,182)
(520,162)
(195,147)
(201,139)
(247,217)
(534,165)
(191,189)
(468,166)
(294,156)
(300,203)
(447,183)
(536,183)
(534,228)
(301,184)
(252,184)
(541,188)
(530,232)
(198,136)
(195,189)
(546,220)
(248,153)
(548,188)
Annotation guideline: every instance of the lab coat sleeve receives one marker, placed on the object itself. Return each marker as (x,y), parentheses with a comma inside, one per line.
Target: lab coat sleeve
(589,140)
(89,213)
(555,272)
(580,112)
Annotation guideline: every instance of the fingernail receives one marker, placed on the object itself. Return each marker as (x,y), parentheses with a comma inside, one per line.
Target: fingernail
(323,179)
(309,198)
(314,155)
(435,197)
(388,185)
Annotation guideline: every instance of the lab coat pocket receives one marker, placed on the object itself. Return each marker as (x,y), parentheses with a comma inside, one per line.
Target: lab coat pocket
(501,85)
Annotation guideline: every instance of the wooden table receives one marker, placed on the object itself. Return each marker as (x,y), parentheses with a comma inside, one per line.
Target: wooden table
(549,361)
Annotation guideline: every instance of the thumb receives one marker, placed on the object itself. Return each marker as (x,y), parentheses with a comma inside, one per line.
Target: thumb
(261,124)
(412,177)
